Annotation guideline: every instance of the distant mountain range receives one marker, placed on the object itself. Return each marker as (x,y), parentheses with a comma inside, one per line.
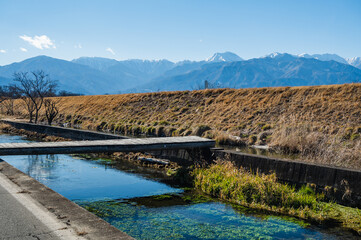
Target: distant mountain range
(71,77)
(356,61)
(94,75)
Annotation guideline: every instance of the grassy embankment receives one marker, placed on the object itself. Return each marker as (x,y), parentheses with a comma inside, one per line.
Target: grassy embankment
(260,191)
(322,123)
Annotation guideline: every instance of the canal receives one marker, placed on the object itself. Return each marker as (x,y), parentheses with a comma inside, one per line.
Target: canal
(146,204)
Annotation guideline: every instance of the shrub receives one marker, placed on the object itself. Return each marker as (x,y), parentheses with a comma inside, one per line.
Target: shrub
(266,127)
(358,129)
(201,129)
(347,134)
(355,136)
(252,139)
(227,182)
(169,131)
(187,133)
(149,131)
(262,137)
(163,123)
(160,132)
(224,180)
(101,126)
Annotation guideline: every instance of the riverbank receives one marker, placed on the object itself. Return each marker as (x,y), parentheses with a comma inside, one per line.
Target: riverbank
(320,123)
(302,205)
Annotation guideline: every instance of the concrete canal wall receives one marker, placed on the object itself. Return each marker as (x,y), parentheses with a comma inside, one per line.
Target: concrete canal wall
(74,134)
(340,183)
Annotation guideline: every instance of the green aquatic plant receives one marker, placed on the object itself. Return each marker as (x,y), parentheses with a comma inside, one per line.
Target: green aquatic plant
(196,198)
(171,172)
(162,197)
(207,220)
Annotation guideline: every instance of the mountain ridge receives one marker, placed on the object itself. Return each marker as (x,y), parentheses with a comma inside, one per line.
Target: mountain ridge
(283,70)
(95,75)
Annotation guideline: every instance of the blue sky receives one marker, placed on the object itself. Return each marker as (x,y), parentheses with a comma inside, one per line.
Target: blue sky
(177,30)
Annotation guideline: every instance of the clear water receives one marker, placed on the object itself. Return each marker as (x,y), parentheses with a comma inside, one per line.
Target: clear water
(147,208)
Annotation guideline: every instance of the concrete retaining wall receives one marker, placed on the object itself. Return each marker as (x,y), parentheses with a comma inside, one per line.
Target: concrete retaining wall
(74,134)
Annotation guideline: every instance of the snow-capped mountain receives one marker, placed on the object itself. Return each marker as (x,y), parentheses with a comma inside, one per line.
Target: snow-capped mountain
(325,57)
(355,61)
(275,55)
(278,70)
(224,57)
(101,75)
(133,71)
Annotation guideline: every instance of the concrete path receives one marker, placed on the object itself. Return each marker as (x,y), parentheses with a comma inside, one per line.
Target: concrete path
(23,218)
(95,146)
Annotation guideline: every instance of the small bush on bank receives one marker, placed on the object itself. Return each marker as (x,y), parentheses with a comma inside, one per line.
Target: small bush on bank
(201,129)
(260,191)
(163,123)
(266,127)
(252,139)
(227,182)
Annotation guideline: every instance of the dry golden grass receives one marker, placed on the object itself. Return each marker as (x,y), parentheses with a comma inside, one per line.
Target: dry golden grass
(245,115)
(338,148)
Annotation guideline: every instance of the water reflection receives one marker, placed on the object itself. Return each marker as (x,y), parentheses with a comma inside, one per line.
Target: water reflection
(81,179)
(42,166)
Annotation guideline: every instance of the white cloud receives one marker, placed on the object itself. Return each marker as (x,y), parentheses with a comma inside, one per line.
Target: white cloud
(2,51)
(23,49)
(40,42)
(200,40)
(78,46)
(110,50)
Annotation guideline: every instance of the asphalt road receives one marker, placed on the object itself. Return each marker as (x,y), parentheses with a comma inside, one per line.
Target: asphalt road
(17,222)
(22,218)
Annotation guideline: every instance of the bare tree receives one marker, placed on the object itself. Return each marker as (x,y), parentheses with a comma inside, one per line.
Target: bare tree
(8,94)
(30,107)
(34,88)
(51,110)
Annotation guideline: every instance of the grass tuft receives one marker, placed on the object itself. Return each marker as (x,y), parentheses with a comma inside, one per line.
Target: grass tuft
(262,191)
